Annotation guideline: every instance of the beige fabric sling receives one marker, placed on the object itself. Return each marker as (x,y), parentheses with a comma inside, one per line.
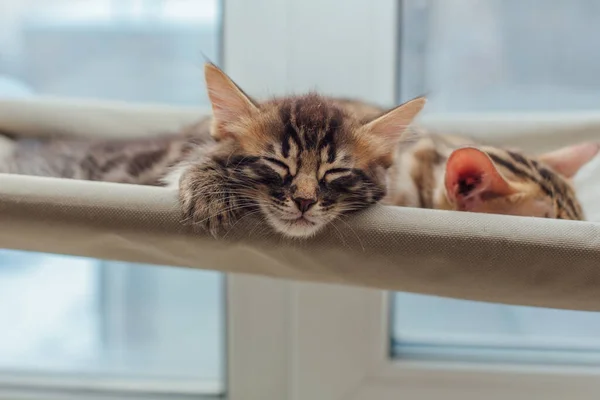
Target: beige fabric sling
(472,256)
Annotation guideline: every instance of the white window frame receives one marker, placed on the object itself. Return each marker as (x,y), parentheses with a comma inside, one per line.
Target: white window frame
(314,341)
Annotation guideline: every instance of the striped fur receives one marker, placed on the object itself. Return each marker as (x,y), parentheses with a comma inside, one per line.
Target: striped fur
(303,161)
(138,161)
(535,188)
(300,161)
(416,179)
(309,134)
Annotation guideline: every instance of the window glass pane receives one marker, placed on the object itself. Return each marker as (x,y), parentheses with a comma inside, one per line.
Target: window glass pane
(136,50)
(81,316)
(83,320)
(427,327)
(493,55)
(488,56)
(50,306)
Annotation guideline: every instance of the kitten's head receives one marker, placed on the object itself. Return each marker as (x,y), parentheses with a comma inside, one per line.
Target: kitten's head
(303,160)
(492,180)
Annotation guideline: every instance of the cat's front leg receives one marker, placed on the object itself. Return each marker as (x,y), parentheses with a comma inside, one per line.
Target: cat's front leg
(209,197)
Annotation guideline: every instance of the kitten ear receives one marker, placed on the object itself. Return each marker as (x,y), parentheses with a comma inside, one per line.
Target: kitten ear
(568,160)
(471,177)
(385,132)
(228,101)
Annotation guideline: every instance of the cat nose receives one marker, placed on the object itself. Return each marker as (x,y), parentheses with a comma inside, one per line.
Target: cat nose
(304,204)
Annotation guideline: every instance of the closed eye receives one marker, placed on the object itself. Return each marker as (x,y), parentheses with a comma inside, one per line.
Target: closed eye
(335,173)
(276,162)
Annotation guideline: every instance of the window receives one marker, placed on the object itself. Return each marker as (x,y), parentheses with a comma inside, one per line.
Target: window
(133,50)
(525,56)
(76,323)
(292,340)
(75,317)
(432,328)
(484,56)
(337,339)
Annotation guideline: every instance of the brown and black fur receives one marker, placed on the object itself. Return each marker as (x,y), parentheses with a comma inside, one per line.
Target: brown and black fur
(300,161)
(301,148)
(551,184)
(143,161)
(417,179)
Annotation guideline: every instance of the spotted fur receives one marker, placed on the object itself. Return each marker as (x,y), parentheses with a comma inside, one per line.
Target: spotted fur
(427,174)
(303,161)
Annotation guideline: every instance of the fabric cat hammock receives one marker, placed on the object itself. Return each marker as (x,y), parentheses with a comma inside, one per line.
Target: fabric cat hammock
(513,260)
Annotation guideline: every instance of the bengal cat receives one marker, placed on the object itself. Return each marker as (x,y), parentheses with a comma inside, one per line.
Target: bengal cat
(456,173)
(303,161)
(453,173)
(300,161)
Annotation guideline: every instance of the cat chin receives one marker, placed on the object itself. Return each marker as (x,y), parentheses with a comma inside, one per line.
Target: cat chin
(298,229)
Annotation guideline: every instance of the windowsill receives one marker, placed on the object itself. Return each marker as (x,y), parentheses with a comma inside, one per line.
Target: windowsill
(95,383)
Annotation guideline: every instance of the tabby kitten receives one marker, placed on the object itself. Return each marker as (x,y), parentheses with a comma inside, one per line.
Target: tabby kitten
(454,173)
(303,161)
(300,161)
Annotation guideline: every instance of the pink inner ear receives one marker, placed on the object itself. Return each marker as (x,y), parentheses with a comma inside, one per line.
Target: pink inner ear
(470,176)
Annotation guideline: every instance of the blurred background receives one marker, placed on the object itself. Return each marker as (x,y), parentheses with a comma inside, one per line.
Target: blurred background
(66,316)
(494,55)
(134,50)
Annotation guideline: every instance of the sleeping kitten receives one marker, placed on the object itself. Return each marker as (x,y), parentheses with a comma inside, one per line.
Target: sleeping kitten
(300,161)
(303,161)
(454,173)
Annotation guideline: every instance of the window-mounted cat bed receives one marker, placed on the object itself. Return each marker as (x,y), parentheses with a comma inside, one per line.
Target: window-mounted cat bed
(512,260)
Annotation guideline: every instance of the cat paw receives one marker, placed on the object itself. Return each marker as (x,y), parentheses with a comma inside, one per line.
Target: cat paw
(206,204)
(209,213)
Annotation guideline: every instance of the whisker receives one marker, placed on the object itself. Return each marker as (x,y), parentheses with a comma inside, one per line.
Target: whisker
(236,222)
(259,224)
(340,234)
(339,218)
